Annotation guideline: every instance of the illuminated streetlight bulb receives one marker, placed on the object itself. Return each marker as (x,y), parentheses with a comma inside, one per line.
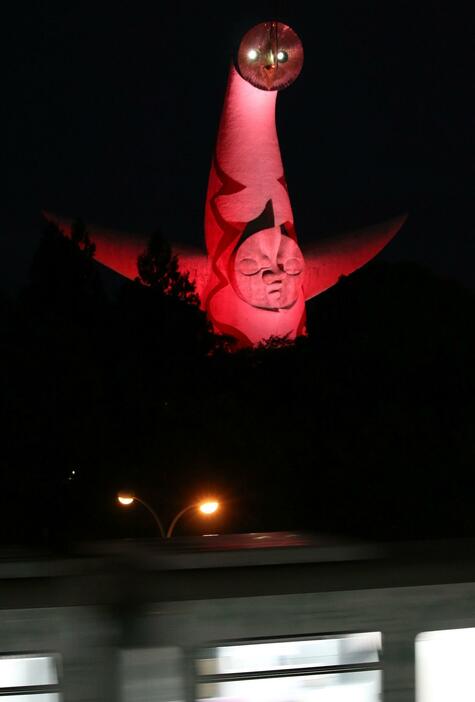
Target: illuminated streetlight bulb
(209,507)
(125,499)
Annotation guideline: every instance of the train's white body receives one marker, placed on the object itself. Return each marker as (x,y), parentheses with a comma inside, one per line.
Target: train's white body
(170,621)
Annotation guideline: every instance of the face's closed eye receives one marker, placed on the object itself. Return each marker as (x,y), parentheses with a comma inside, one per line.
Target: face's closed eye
(293,266)
(270,56)
(247,266)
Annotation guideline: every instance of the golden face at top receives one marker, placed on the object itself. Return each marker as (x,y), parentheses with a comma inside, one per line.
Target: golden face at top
(267,270)
(270,56)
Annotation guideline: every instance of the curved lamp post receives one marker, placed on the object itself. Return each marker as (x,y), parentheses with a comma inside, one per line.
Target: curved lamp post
(205,507)
(126,499)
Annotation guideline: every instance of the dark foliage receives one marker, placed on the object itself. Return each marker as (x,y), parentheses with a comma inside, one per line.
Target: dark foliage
(158,268)
(363,428)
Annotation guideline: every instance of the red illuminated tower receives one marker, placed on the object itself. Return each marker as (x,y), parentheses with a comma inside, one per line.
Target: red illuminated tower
(254,279)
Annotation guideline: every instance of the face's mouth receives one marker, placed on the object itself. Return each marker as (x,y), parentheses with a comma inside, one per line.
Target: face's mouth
(275,287)
(274,293)
(270,74)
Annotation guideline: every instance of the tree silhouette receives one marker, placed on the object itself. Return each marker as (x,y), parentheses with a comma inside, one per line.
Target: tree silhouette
(63,276)
(80,237)
(54,394)
(158,268)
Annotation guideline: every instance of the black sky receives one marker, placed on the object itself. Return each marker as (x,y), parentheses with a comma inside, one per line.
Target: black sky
(111,113)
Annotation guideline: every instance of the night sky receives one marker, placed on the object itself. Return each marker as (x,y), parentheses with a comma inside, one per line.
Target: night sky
(112,111)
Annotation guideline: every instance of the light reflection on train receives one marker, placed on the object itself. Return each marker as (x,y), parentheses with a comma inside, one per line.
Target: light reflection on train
(282,619)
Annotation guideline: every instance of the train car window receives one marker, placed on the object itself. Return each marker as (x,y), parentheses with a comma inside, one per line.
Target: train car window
(444,665)
(29,678)
(345,667)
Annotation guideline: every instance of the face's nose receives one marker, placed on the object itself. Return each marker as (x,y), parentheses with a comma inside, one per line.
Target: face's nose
(270,61)
(273,275)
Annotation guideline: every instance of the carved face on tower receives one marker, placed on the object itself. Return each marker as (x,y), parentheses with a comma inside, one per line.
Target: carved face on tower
(270,56)
(266,267)
(267,270)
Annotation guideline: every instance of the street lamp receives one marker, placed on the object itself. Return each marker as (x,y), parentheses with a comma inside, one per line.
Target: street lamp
(127,498)
(205,507)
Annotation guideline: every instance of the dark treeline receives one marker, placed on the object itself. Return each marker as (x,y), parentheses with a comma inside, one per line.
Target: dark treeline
(365,428)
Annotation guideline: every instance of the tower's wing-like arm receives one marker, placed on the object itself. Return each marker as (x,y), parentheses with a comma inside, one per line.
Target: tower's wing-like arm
(328,260)
(119,251)
(115,249)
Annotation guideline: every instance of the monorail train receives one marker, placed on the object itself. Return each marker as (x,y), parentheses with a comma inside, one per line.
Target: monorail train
(245,618)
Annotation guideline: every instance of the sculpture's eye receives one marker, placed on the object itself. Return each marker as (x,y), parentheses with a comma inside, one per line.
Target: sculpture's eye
(270,56)
(293,266)
(248,266)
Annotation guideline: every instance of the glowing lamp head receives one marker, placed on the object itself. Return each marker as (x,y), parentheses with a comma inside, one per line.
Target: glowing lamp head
(270,56)
(209,507)
(125,499)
